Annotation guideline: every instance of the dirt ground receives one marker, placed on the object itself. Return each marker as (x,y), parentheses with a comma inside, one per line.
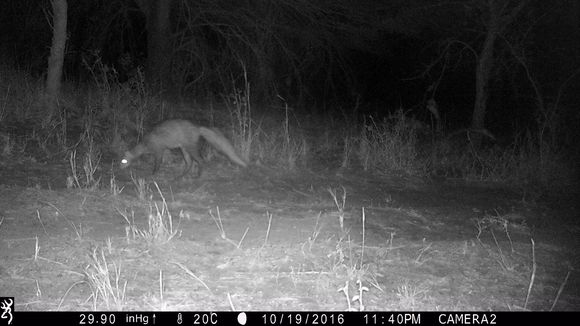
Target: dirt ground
(405,243)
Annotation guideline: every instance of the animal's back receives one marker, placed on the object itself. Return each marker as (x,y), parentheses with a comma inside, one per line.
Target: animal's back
(172,134)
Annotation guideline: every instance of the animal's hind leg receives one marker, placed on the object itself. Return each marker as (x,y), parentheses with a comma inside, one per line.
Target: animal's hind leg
(158,159)
(194,151)
(187,159)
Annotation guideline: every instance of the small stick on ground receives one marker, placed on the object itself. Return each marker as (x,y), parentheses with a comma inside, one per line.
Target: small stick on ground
(533,274)
(220,226)
(190,273)
(269,225)
(560,291)
(231,302)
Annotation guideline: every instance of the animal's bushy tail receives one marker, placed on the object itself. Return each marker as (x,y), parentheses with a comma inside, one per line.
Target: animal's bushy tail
(221,143)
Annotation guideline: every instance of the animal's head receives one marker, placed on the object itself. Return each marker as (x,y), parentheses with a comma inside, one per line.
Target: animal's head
(126,160)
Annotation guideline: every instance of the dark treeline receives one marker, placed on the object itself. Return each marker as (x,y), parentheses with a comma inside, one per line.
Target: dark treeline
(507,60)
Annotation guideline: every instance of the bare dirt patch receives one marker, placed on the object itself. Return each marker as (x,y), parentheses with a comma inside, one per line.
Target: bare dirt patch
(248,239)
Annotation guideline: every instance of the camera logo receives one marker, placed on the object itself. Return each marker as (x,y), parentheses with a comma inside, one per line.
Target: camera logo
(7,307)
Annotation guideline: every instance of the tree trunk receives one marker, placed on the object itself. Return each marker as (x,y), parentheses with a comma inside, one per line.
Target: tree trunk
(56,59)
(157,15)
(485,65)
(500,16)
(264,76)
(263,82)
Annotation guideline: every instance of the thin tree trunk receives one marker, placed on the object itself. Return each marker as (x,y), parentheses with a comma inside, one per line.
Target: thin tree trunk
(56,59)
(264,79)
(499,18)
(159,44)
(483,71)
(264,76)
